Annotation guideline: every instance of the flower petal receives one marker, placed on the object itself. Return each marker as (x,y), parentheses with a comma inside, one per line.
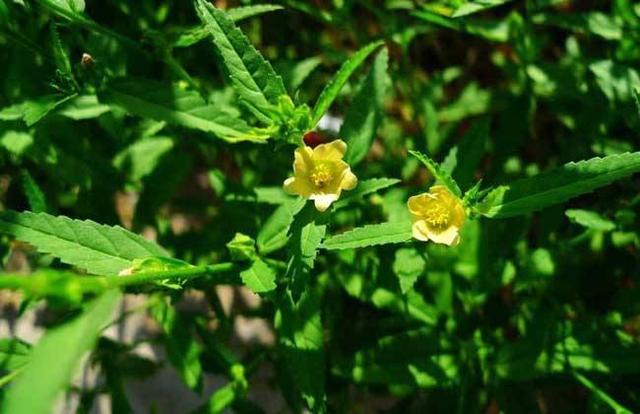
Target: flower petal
(323,201)
(332,151)
(417,204)
(303,160)
(295,185)
(420,231)
(349,180)
(450,236)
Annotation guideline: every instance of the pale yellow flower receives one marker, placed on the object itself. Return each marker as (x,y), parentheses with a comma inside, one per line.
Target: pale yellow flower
(320,174)
(437,216)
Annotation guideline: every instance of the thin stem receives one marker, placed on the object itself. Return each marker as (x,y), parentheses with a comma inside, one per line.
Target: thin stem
(51,282)
(186,273)
(604,397)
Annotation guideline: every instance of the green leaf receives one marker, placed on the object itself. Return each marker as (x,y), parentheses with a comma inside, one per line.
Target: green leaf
(37,387)
(35,196)
(463,159)
(59,54)
(300,333)
(493,30)
(141,158)
(558,185)
(196,34)
(333,88)
(370,235)
(14,354)
(471,7)
(252,77)
(307,231)
(71,10)
(616,80)
(240,13)
(411,359)
(274,234)
(259,277)
(83,107)
(33,111)
(183,350)
(365,113)
(590,220)
(438,173)
(295,74)
(16,143)
(172,104)
(410,304)
(365,187)
(97,248)
(606,26)
(74,6)
(408,265)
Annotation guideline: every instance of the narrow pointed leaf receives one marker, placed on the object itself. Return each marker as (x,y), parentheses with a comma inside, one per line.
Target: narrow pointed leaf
(252,77)
(55,358)
(370,235)
(365,113)
(333,88)
(558,185)
(439,174)
(165,102)
(193,36)
(97,248)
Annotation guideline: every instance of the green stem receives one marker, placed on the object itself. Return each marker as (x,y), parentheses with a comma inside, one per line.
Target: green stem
(604,397)
(10,376)
(48,282)
(187,273)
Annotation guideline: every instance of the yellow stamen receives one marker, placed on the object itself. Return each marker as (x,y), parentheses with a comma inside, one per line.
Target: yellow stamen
(438,216)
(321,175)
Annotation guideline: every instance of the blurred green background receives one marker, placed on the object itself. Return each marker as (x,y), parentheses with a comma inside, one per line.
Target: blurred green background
(534,314)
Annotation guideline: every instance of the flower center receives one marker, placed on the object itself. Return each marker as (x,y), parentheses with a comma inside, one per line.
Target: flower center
(437,216)
(321,175)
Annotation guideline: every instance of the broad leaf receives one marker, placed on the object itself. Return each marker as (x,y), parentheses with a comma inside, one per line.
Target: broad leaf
(408,265)
(439,174)
(274,233)
(307,231)
(36,389)
(259,277)
(558,185)
(97,248)
(300,332)
(252,77)
(333,88)
(370,235)
(172,104)
(363,118)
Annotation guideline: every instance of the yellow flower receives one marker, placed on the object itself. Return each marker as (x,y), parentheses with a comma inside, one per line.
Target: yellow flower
(437,216)
(320,174)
